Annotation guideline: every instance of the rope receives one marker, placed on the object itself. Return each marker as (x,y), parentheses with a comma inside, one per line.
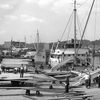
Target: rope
(79,25)
(86,24)
(68,33)
(66,26)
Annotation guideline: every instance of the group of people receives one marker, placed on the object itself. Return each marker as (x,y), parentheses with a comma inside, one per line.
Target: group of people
(41,67)
(21,70)
(87,83)
(96,81)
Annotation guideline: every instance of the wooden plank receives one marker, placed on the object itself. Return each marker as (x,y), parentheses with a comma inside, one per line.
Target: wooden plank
(58,90)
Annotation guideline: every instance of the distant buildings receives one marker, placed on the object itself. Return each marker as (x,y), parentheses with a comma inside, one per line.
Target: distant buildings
(14,44)
(7,44)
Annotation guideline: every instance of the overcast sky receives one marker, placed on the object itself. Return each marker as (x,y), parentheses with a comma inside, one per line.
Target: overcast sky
(20,18)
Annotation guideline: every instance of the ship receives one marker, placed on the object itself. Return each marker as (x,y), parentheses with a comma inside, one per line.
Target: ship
(72,50)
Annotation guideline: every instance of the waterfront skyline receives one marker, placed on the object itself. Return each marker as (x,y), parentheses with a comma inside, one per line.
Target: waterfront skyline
(20,18)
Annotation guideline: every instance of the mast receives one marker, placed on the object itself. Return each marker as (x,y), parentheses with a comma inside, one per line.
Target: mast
(57,44)
(11,46)
(37,41)
(25,41)
(93,54)
(75,31)
(52,48)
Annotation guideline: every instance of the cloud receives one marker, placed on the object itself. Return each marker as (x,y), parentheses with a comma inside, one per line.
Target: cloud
(12,17)
(31,1)
(2,31)
(0,19)
(24,17)
(41,3)
(61,6)
(45,2)
(29,18)
(65,5)
(6,6)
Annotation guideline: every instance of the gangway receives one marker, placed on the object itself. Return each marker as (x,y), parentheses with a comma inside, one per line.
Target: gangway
(84,76)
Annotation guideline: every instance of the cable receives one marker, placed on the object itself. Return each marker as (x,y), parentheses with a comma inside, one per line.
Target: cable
(66,27)
(86,23)
(68,32)
(79,25)
(95,20)
(69,29)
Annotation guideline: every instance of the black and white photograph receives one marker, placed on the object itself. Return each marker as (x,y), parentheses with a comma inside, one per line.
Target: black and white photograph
(49,49)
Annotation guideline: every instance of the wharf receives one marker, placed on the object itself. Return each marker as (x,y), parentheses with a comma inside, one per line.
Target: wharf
(7,92)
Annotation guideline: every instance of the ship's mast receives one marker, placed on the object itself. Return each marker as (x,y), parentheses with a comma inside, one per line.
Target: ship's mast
(25,41)
(75,10)
(11,46)
(37,41)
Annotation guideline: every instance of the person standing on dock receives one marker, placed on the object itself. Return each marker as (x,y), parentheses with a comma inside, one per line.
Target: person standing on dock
(0,69)
(21,70)
(67,85)
(86,80)
(89,81)
(36,70)
(33,62)
(99,81)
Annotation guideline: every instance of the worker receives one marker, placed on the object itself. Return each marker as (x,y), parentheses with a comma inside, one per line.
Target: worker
(3,68)
(0,70)
(25,68)
(21,70)
(67,85)
(36,71)
(86,80)
(89,81)
(99,81)
(33,62)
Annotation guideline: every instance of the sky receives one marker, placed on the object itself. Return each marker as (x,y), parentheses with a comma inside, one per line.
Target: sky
(22,18)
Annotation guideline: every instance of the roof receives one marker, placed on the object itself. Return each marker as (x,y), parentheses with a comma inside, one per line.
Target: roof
(69,51)
(12,63)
